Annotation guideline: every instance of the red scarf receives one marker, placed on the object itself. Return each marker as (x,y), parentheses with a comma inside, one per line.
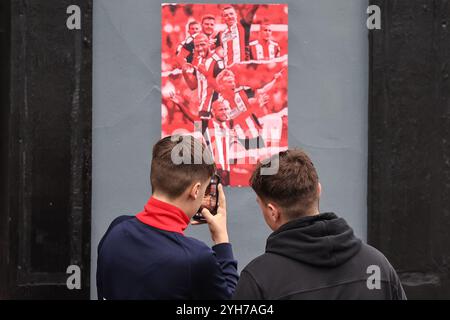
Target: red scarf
(163,216)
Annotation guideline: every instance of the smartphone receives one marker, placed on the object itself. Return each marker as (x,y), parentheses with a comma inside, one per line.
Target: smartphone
(210,199)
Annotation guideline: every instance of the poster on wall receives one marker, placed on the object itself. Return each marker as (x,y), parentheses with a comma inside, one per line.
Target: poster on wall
(225,81)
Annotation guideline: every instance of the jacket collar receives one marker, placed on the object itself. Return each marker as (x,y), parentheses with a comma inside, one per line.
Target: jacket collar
(164,216)
(323,240)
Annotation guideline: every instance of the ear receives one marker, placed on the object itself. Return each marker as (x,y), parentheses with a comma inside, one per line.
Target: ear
(274,212)
(195,190)
(319,189)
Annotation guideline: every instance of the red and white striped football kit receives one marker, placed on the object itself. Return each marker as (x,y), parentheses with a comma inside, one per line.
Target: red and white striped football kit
(264,50)
(221,137)
(211,67)
(235,41)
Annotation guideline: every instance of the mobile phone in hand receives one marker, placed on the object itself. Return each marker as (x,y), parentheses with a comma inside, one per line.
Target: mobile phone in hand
(210,199)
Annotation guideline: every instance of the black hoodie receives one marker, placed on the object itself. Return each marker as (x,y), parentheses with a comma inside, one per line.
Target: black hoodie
(318,257)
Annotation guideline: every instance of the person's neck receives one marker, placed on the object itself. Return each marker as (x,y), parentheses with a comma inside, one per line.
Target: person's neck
(313,212)
(232,25)
(308,213)
(264,41)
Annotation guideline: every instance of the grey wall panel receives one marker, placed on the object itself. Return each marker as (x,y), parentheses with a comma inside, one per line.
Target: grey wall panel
(328,74)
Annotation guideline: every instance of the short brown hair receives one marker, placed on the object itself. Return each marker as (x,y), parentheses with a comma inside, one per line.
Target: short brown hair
(293,188)
(226,7)
(192,23)
(208,17)
(171,178)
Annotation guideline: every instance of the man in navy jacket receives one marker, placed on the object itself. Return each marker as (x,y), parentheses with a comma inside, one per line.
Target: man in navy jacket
(147,256)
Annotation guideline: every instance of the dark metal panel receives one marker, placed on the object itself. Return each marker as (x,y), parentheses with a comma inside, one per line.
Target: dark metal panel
(49,148)
(409,155)
(4,128)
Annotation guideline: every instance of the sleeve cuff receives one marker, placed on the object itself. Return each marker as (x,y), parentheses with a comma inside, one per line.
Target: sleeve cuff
(224,251)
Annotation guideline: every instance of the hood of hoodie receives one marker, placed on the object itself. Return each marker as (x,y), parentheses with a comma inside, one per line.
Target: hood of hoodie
(324,240)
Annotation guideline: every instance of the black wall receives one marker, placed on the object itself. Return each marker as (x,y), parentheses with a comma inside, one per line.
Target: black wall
(409,143)
(46,149)
(4,108)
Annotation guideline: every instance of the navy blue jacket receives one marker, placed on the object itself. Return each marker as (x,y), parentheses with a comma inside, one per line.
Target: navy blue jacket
(139,261)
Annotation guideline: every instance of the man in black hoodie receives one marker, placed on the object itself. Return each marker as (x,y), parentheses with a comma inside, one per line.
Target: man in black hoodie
(310,255)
